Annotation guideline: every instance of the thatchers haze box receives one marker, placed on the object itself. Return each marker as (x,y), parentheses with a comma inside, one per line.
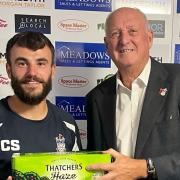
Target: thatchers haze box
(56,166)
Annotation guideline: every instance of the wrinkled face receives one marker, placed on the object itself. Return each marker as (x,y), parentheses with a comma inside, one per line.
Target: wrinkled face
(31,73)
(128,39)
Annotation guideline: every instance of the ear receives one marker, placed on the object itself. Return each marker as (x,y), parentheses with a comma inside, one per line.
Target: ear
(150,38)
(8,70)
(106,42)
(53,68)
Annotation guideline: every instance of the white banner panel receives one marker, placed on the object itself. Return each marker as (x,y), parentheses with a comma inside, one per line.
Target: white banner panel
(77,28)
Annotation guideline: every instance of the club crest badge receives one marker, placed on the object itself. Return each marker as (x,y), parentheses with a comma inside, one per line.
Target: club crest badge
(60,142)
(163,91)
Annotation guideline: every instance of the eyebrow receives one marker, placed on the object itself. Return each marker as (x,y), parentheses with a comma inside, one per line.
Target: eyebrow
(20,59)
(132,26)
(119,29)
(42,59)
(25,59)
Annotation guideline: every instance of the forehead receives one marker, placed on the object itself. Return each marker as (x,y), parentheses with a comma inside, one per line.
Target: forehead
(24,52)
(126,18)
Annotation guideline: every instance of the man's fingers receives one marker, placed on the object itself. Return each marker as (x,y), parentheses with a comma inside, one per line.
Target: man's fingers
(9,178)
(112,152)
(99,167)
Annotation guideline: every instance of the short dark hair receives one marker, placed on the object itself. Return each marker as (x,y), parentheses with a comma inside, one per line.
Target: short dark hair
(31,40)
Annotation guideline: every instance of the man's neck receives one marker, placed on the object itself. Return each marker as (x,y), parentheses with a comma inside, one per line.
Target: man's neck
(127,78)
(31,112)
(129,74)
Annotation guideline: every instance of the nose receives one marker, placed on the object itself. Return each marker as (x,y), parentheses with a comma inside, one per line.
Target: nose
(124,38)
(32,70)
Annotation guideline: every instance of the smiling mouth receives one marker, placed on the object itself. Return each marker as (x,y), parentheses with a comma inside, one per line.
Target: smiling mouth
(31,82)
(125,50)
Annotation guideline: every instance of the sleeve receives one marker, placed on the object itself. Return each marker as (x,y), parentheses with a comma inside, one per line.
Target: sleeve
(77,141)
(95,140)
(168,167)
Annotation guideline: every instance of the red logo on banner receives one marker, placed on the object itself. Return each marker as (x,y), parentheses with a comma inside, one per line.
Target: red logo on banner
(73,81)
(3,80)
(73,25)
(3,23)
(83,133)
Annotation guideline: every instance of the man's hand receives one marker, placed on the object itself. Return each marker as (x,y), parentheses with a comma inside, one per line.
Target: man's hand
(9,178)
(123,168)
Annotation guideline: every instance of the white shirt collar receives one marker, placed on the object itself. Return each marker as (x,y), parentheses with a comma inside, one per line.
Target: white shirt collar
(143,77)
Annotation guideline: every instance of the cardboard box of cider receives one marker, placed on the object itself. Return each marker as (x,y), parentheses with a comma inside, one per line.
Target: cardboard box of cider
(57,166)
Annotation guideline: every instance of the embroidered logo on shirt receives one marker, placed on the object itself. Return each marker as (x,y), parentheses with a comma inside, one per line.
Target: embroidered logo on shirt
(60,142)
(1,124)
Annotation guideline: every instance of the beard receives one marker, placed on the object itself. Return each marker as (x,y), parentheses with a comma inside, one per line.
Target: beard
(27,97)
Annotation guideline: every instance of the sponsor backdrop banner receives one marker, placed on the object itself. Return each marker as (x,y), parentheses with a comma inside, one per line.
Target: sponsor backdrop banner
(76,28)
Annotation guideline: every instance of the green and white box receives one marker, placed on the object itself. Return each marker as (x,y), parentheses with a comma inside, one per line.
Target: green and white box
(57,166)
